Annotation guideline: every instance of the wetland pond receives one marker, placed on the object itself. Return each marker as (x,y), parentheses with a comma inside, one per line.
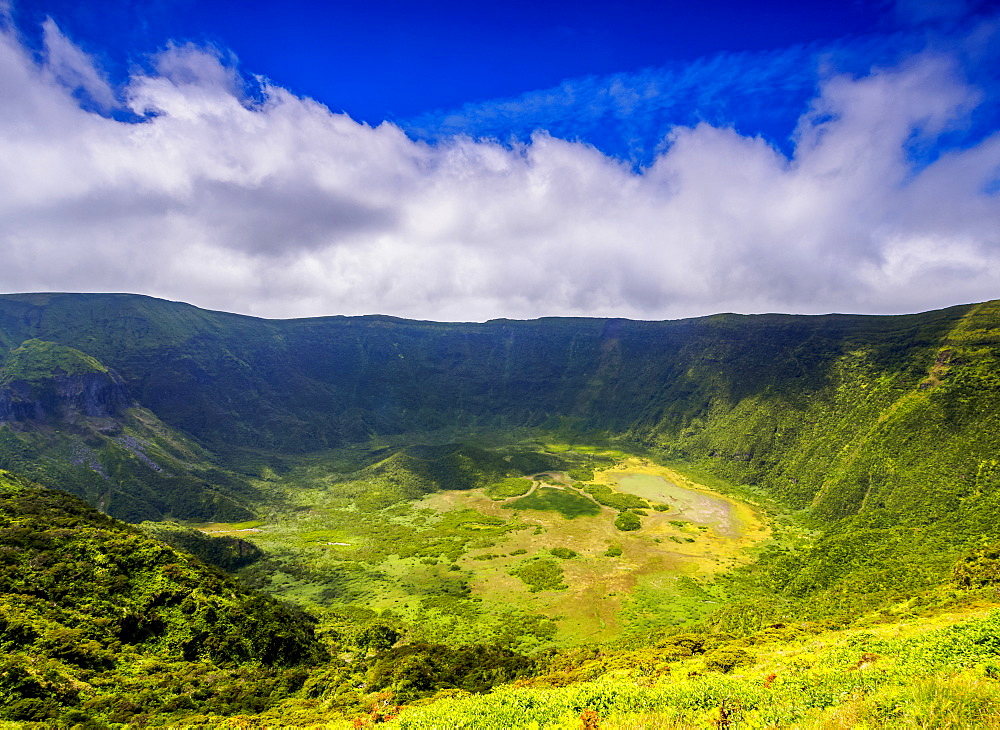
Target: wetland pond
(685,504)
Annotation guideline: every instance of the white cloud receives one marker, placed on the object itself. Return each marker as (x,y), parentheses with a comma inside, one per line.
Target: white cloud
(74,69)
(282,208)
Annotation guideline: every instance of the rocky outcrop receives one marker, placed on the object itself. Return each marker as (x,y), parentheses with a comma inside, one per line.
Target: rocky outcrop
(64,397)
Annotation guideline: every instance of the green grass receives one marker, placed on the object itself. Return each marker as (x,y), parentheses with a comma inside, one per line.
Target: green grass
(609,497)
(929,677)
(568,504)
(564,553)
(36,360)
(415,564)
(442,565)
(222,527)
(508,488)
(660,601)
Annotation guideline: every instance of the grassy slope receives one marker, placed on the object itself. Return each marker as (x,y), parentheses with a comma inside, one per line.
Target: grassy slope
(85,433)
(930,672)
(304,384)
(135,469)
(752,389)
(898,465)
(37,360)
(99,621)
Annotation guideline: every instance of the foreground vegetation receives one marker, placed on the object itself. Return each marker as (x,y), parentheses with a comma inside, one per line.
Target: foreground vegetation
(797,676)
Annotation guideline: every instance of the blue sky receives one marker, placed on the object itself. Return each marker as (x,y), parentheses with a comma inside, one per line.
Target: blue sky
(466,161)
(395,60)
(505,69)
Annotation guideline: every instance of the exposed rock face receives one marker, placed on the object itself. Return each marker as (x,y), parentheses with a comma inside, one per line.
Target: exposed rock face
(66,397)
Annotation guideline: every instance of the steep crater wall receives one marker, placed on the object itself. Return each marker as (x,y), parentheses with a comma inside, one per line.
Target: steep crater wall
(64,397)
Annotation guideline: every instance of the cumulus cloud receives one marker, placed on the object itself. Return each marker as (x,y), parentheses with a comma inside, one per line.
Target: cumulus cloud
(272,205)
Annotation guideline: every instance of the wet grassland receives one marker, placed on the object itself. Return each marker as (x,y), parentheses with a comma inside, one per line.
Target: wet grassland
(525,559)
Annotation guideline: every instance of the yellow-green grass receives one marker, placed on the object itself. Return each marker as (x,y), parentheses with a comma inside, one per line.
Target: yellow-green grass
(936,672)
(228,528)
(652,563)
(924,672)
(556,447)
(657,579)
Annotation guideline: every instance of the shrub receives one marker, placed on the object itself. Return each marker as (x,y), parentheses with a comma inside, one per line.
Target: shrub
(607,496)
(418,670)
(726,660)
(568,504)
(628,521)
(376,637)
(541,575)
(979,568)
(564,553)
(507,488)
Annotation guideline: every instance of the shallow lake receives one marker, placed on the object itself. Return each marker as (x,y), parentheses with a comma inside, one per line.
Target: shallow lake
(685,504)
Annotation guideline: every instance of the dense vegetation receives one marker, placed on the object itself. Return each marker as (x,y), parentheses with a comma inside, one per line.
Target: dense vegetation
(784,678)
(568,504)
(869,443)
(91,607)
(100,623)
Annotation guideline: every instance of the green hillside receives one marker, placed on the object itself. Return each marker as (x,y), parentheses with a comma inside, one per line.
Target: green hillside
(299,385)
(99,620)
(545,487)
(101,625)
(36,360)
(69,419)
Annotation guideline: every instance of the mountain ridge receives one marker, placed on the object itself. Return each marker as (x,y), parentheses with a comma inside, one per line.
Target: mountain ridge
(234,382)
